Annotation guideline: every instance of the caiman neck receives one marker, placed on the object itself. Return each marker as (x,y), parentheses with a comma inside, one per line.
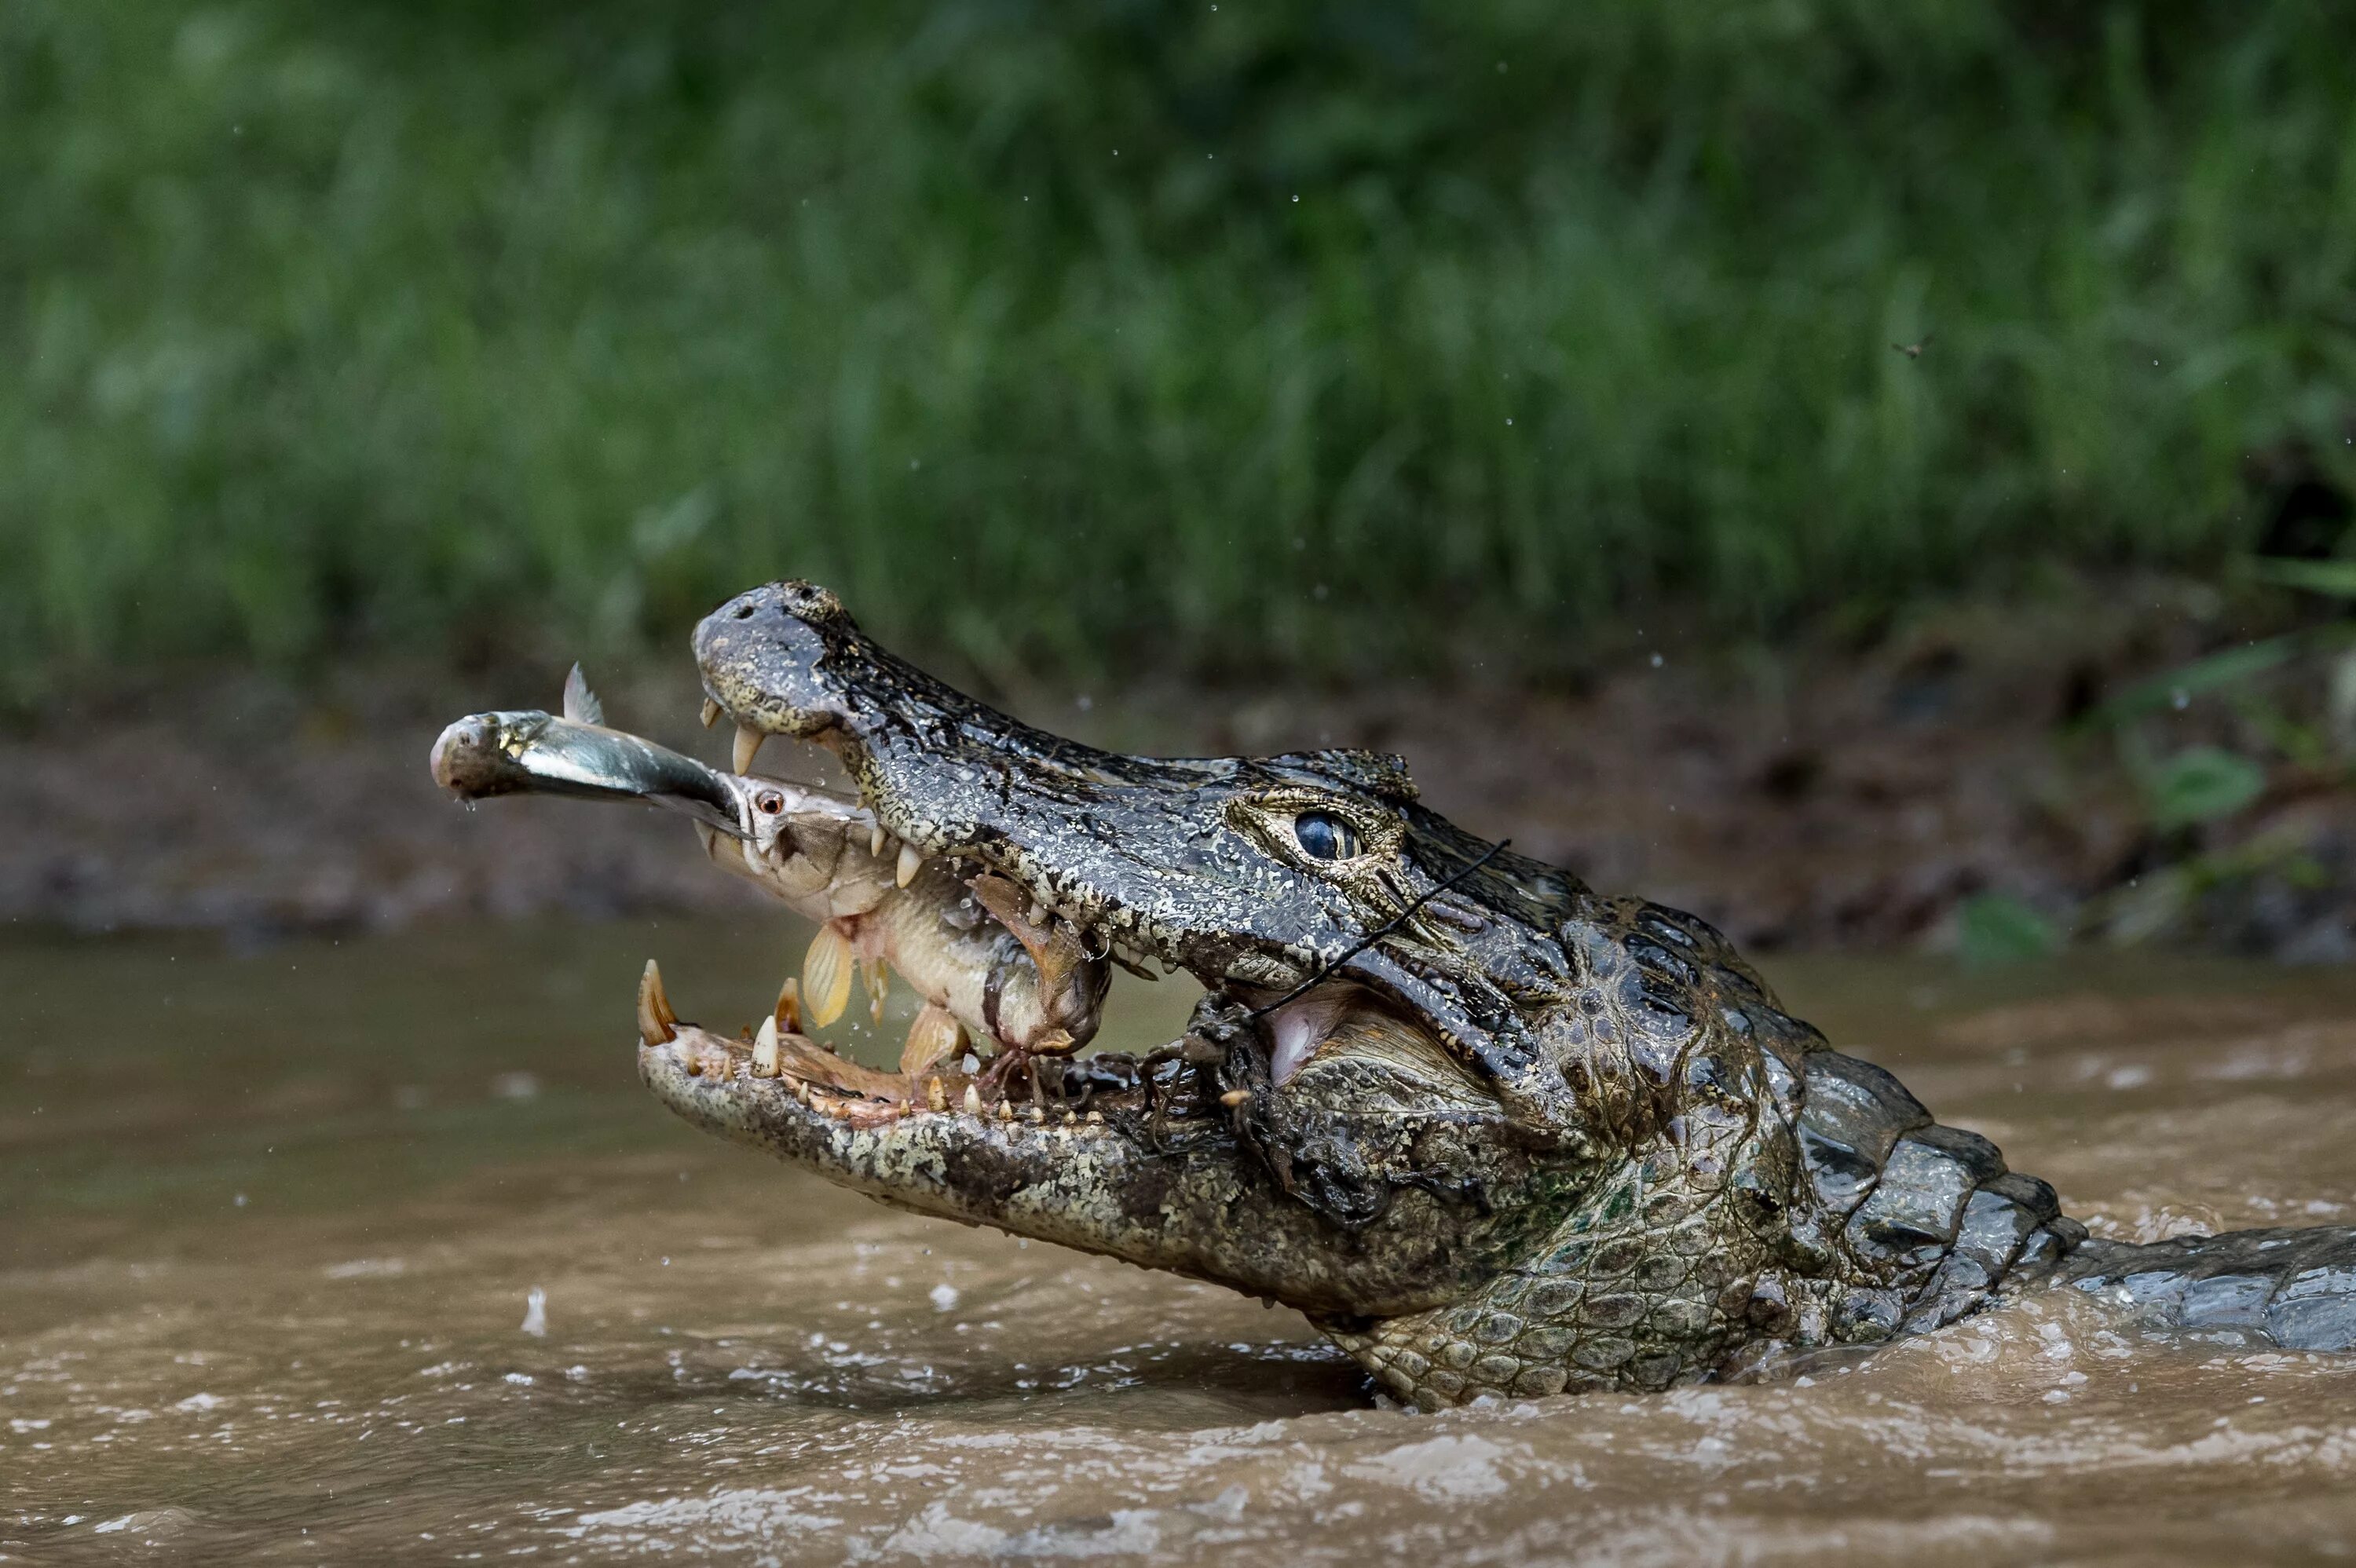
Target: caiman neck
(1731,1243)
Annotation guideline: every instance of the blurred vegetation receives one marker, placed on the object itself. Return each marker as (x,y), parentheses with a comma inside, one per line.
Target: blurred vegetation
(2217,817)
(1065,336)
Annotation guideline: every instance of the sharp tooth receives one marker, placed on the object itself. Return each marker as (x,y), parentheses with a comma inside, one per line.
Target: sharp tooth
(658,1024)
(788,1010)
(935,1096)
(826,975)
(748,746)
(972,1101)
(876,839)
(711,714)
(1038,1114)
(932,1038)
(909,862)
(1005,1111)
(1038,915)
(764,1049)
(1095,1118)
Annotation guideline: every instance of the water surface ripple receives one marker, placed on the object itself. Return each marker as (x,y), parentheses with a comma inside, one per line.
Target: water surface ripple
(273,1218)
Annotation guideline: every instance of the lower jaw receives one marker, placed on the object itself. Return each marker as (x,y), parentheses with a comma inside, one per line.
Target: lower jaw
(1093,1091)
(1010,1085)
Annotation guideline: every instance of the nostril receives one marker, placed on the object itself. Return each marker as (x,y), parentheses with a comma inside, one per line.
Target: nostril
(743,613)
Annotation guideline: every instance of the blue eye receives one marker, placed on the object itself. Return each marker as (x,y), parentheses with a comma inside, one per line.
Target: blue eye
(1325,836)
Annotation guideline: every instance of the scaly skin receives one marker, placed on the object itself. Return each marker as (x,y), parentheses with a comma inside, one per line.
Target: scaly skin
(1513,1138)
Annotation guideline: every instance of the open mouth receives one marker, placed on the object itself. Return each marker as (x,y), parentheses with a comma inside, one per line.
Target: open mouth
(1011,986)
(1274,881)
(1010,970)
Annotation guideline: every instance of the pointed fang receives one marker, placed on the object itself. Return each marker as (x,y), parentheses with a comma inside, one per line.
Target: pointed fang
(910,861)
(972,1101)
(788,1010)
(748,746)
(826,976)
(876,839)
(658,1024)
(764,1049)
(711,714)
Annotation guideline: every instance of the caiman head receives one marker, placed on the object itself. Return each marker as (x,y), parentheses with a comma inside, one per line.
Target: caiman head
(1493,1133)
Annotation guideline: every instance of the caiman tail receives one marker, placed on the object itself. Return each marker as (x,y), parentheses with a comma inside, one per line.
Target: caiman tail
(2294,1289)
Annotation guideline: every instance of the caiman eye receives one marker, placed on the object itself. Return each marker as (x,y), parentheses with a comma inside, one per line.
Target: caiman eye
(1326,836)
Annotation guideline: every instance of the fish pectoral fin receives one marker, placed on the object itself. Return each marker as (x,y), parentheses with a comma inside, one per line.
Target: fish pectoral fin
(931,1038)
(826,975)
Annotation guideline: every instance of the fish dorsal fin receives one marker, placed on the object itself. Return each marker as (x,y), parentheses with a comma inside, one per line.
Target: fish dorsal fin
(581,704)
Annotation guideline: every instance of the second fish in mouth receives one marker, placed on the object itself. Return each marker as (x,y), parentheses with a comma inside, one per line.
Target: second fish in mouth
(992,977)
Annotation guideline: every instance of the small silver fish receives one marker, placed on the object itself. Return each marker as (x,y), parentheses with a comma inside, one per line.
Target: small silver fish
(529,752)
(968,950)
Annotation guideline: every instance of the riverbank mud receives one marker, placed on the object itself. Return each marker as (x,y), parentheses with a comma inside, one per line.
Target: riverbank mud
(1830,795)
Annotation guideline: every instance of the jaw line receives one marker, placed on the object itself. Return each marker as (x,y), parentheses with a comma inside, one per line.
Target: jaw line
(1024,1175)
(1201,1207)
(1079,1182)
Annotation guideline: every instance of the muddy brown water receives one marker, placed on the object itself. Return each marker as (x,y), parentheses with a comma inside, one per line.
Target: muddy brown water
(270,1223)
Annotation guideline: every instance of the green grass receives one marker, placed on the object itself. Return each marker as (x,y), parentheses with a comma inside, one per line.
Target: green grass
(1068,337)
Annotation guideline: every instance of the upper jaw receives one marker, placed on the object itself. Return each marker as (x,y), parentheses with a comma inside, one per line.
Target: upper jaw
(888,784)
(1105,922)
(958,779)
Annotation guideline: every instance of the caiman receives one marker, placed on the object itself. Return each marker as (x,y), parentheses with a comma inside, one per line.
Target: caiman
(1493,1133)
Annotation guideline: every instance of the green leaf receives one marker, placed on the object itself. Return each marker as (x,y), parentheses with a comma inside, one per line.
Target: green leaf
(2201,783)
(1993,929)
(2229,667)
(2335,577)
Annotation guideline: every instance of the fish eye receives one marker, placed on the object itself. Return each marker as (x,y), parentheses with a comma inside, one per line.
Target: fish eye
(1325,836)
(769,802)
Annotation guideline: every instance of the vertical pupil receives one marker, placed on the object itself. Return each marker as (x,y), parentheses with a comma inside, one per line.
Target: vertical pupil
(1322,835)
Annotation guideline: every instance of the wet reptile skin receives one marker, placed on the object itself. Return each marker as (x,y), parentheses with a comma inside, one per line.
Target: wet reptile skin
(1554,1141)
